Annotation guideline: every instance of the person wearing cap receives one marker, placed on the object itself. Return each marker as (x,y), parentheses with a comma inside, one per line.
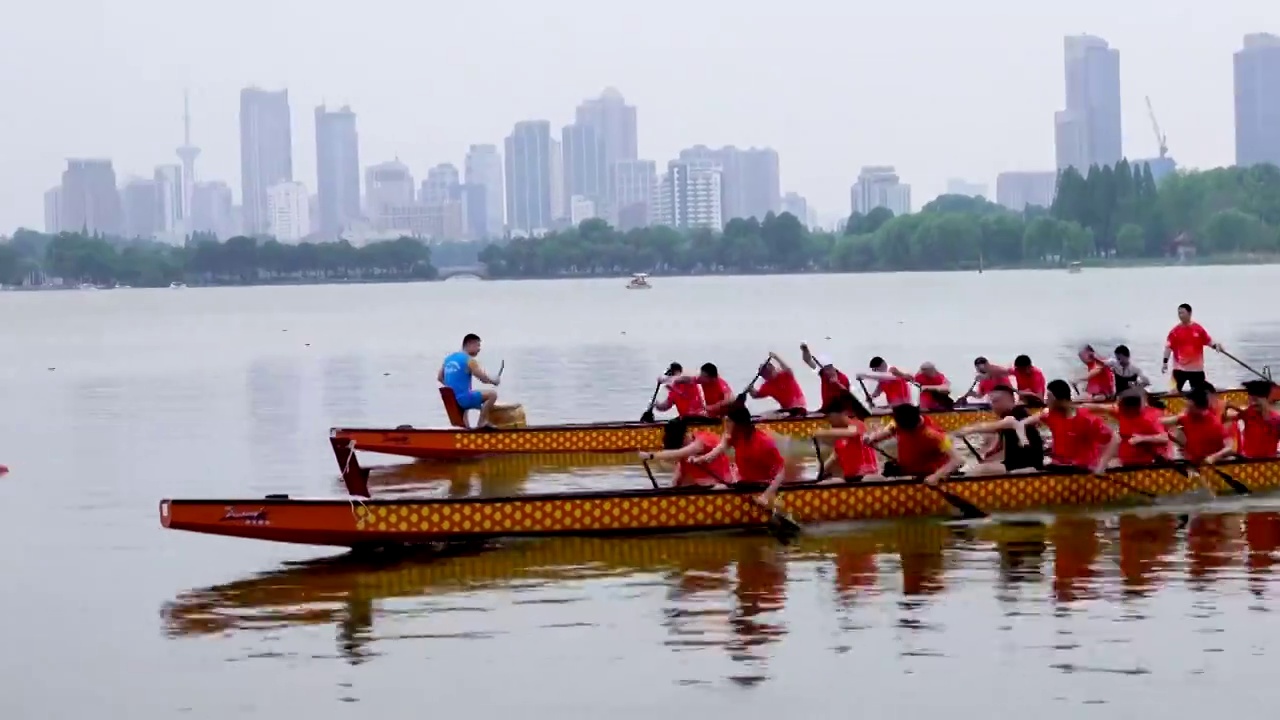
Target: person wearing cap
(682,442)
(833,381)
(1259,422)
(780,385)
(683,393)
(1081,439)
(934,387)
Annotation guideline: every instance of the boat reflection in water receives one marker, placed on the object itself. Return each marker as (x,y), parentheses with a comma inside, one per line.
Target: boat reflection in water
(505,475)
(729,591)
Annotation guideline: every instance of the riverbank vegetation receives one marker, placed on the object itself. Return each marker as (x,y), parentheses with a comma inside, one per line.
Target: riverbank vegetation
(1113,214)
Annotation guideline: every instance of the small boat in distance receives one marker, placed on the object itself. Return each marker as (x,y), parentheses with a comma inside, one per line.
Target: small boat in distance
(177,285)
(639,281)
(1074,267)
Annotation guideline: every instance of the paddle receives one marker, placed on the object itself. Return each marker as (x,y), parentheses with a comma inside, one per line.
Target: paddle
(648,471)
(1265,376)
(501,367)
(742,396)
(968,510)
(817,450)
(866,393)
(944,399)
(1236,486)
(647,416)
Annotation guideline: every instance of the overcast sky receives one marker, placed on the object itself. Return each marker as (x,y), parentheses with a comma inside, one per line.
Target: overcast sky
(938,88)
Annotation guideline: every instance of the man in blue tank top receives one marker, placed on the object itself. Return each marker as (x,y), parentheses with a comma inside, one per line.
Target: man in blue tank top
(456,373)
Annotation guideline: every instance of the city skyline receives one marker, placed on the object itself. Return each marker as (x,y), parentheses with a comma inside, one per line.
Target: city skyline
(820,165)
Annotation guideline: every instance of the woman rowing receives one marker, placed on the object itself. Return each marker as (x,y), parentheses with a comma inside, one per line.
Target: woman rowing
(923,449)
(851,458)
(1015,448)
(755,453)
(681,443)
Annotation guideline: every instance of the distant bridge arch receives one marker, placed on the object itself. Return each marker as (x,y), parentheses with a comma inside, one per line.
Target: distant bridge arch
(478,270)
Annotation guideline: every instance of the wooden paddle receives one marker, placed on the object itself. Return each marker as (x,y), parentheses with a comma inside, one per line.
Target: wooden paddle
(1266,375)
(1236,486)
(742,396)
(817,450)
(647,416)
(648,471)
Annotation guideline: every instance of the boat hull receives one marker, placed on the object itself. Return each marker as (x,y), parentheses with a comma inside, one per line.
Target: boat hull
(360,522)
(461,443)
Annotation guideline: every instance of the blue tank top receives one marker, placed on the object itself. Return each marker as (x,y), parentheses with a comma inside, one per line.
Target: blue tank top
(457,372)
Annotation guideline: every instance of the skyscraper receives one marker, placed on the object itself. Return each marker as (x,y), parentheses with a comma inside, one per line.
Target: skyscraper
(879,186)
(337,169)
(585,172)
(90,201)
(634,184)
(1087,131)
(690,195)
(187,153)
(484,170)
(210,212)
(53,210)
(751,183)
(389,193)
(266,151)
(141,201)
(614,122)
(171,207)
(288,210)
(1257,80)
(532,168)
(1017,190)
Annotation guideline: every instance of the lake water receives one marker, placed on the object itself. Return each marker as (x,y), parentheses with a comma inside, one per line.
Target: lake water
(115,399)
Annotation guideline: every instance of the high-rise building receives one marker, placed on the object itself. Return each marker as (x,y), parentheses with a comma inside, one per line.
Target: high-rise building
(751,181)
(797,205)
(289,211)
(483,169)
(581,209)
(1087,130)
(634,183)
(141,201)
(690,195)
(171,208)
(879,186)
(585,172)
(1257,81)
(211,209)
(615,124)
(266,152)
(53,210)
(443,201)
(1018,190)
(337,169)
(90,201)
(533,168)
(388,193)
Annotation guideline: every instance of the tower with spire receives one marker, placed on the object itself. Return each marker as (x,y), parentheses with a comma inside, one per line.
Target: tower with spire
(187,153)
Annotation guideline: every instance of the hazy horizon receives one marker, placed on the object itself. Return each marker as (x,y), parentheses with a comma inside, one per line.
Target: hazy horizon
(940,91)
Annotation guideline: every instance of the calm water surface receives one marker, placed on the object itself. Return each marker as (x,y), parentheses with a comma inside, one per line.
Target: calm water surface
(114,399)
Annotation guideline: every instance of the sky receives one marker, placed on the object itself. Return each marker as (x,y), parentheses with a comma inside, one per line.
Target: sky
(937,88)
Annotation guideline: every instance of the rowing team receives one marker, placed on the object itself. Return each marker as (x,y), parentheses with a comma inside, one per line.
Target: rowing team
(707,394)
(1082,439)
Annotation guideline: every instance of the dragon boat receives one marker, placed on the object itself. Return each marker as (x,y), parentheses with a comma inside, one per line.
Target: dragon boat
(360,521)
(459,442)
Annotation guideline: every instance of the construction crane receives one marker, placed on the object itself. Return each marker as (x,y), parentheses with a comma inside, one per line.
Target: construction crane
(1155,125)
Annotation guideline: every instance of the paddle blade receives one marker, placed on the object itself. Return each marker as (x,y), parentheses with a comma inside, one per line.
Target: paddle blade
(782,525)
(647,417)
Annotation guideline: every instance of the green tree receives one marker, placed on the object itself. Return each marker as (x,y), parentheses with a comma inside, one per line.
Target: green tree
(1130,241)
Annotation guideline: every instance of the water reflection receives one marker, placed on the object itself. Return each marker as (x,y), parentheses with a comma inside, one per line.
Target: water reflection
(503,475)
(730,591)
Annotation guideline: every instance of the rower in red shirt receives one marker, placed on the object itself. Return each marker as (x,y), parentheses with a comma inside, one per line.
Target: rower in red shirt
(1143,439)
(682,442)
(715,391)
(1098,379)
(987,377)
(1081,439)
(923,449)
(1186,343)
(1205,438)
(780,384)
(1029,381)
(833,381)
(890,382)
(683,393)
(935,389)
(755,453)
(852,458)
(1259,422)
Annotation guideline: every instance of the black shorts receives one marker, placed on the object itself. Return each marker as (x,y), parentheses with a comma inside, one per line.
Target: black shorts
(1022,461)
(1193,378)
